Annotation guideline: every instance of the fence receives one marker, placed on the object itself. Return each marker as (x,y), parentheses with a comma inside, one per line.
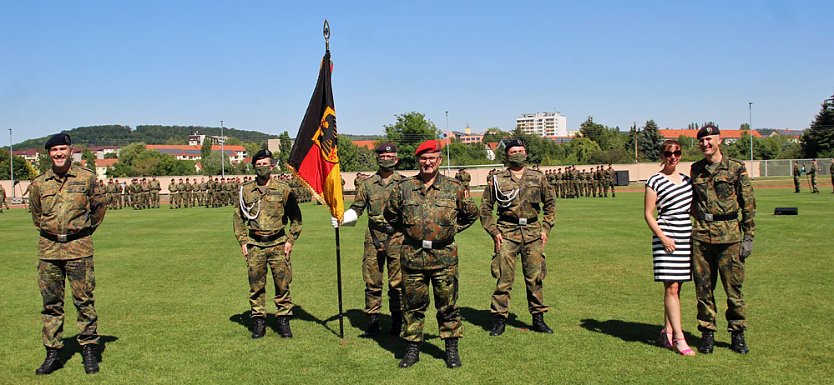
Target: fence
(784,167)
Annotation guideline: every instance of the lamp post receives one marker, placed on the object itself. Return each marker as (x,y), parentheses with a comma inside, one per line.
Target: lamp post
(448,144)
(750,128)
(11,162)
(222,153)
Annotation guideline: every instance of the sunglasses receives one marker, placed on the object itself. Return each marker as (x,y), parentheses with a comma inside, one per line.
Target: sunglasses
(670,153)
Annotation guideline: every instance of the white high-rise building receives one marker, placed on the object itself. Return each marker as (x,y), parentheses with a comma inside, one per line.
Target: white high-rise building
(543,124)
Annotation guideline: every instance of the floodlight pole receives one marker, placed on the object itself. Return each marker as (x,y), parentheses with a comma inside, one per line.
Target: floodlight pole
(750,129)
(222,153)
(448,144)
(11,162)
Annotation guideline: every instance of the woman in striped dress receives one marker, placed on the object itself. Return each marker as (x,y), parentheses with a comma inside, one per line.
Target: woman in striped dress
(670,193)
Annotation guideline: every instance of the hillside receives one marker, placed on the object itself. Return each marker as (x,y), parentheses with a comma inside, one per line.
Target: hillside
(118,135)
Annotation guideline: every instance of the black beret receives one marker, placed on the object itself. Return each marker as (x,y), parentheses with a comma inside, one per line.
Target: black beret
(261,154)
(708,130)
(385,147)
(512,143)
(58,140)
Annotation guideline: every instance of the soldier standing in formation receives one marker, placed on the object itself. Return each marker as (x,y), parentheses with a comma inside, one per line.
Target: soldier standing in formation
(721,240)
(463,177)
(155,188)
(429,209)
(382,241)
(813,174)
(3,199)
(796,174)
(267,222)
(520,193)
(612,177)
(67,207)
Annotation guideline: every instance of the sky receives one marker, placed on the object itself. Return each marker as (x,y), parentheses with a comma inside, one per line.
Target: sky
(253,64)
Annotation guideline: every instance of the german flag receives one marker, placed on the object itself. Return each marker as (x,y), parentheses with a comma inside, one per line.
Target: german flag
(314,157)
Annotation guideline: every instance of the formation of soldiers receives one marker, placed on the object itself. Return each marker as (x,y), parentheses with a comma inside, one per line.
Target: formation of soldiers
(574,183)
(144,193)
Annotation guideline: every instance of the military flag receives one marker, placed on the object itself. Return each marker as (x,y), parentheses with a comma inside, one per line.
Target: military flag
(314,157)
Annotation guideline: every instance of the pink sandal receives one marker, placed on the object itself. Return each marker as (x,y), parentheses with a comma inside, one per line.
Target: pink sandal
(685,352)
(664,340)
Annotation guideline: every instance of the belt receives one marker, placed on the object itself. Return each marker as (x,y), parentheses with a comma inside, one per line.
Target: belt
(518,221)
(423,244)
(264,237)
(64,238)
(719,217)
(383,227)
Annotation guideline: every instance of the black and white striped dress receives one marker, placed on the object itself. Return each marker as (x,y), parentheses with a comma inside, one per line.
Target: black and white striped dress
(673,203)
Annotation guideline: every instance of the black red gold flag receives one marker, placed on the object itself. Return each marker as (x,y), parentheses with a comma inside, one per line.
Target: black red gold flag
(314,157)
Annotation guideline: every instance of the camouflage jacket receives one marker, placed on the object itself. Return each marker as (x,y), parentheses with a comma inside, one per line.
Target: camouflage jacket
(434,214)
(154,184)
(274,212)
(371,193)
(63,206)
(722,188)
(173,188)
(463,177)
(813,170)
(534,196)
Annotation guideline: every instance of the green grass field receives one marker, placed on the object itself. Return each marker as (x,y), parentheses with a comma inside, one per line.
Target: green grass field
(171,296)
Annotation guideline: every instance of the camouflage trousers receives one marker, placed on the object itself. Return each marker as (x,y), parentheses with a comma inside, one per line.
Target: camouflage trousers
(257,262)
(796,183)
(611,185)
(503,268)
(444,283)
(155,199)
(814,183)
(373,265)
(51,277)
(711,261)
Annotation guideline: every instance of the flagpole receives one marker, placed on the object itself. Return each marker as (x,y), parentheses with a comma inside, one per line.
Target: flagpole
(326,33)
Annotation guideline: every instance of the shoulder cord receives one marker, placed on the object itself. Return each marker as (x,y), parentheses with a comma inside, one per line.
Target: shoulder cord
(246,209)
(504,199)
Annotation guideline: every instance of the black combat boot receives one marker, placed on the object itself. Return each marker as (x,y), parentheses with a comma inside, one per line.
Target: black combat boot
(284,327)
(51,363)
(707,342)
(452,356)
(89,358)
(396,323)
(412,355)
(373,327)
(498,326)
(258,327)
(539,325)
(739,345)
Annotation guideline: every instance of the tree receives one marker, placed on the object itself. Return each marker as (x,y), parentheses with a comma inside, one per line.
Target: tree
(205,152)
(22,170)
(591,130)
(818,140)
(284,152)
(354,158)
(494,135)
(650,140)
(408,132)
(90,159)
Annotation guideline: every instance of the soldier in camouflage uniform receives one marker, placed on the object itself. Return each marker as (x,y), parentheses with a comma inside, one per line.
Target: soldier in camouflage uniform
(429,209)
(267,222)
(155,188)
(3,199)
(813,174)
(721,190)
(67,206)
(463,177)
(520,193)
(172,194)
(796,175)
(612,176)
(382,242)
